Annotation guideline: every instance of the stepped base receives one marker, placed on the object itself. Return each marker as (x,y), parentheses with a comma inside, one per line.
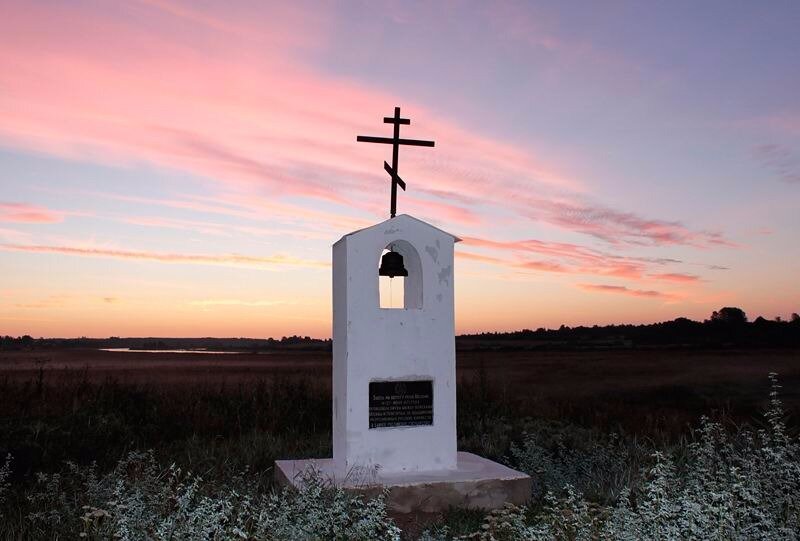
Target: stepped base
(475,483)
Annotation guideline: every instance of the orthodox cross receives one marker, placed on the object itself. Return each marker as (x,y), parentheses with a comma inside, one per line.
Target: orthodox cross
(395,142)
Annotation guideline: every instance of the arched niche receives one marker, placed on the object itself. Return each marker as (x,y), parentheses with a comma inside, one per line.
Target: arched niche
(411,285)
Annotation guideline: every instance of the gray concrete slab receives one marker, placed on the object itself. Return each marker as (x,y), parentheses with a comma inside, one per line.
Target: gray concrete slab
(475,483)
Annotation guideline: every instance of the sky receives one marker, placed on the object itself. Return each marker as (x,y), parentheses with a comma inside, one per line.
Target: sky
(182,168)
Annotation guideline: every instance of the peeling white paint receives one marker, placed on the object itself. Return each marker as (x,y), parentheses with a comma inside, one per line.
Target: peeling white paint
(433,252)
(445,273)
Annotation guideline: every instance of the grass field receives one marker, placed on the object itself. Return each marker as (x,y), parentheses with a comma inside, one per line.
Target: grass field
(219,414)
(634,388)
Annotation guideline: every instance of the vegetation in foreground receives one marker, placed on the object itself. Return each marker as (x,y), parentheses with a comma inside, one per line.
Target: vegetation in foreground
(64,476)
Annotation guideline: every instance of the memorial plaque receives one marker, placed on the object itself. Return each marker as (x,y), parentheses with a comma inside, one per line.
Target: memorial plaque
(400,403)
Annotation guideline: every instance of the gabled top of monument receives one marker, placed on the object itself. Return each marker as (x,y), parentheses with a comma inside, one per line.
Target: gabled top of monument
(403,218)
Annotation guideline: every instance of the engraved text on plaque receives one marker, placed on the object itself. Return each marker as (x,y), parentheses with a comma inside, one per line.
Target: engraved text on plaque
(400,403)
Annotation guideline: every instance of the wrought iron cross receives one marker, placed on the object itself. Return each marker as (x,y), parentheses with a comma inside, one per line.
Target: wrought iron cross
(395,142)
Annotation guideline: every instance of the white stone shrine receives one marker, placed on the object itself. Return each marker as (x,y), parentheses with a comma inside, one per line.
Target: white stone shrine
(394,380)
(412,346)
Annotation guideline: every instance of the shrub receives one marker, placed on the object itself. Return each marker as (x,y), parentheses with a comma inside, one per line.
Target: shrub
(140,500)
(558,455)
(5,473)
(738,486)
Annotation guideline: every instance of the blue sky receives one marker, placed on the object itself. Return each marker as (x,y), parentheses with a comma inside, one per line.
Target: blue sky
(182,169)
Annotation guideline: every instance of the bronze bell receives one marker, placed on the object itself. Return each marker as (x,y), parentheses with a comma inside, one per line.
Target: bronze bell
(392,265)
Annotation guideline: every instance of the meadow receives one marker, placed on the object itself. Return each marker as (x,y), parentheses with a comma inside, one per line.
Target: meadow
(592,427)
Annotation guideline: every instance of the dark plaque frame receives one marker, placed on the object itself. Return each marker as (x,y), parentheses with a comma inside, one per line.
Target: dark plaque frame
(400,403)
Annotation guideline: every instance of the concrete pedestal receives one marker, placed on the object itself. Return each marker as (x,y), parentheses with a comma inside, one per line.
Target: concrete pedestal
(475,483)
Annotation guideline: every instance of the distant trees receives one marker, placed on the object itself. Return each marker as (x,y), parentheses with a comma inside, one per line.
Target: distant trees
(728,326)
(9,342)
(729,315)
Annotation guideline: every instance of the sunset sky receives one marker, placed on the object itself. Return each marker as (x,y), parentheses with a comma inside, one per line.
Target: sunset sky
(182,168)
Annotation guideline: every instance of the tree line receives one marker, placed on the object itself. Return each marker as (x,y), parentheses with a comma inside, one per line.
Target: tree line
(728,326)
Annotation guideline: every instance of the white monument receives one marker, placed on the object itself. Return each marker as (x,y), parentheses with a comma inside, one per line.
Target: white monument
(394,373)
(394,370)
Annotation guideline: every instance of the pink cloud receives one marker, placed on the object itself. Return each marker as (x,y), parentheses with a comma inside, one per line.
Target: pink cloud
(548,266)
(564,257)
(605,288)
(446,212)
(785,123)
(218,229)
(206,228)
(306,222)
(14,236)
(31,214)
(576,259)
(675,277)
(227,96)
(164,257)
(618,227)
(482,258)
(780,160)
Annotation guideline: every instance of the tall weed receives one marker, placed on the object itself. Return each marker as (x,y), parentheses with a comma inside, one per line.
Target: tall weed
(140,500)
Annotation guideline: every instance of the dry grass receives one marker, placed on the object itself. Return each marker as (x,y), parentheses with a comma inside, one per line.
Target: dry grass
(639,391)
(219,414)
